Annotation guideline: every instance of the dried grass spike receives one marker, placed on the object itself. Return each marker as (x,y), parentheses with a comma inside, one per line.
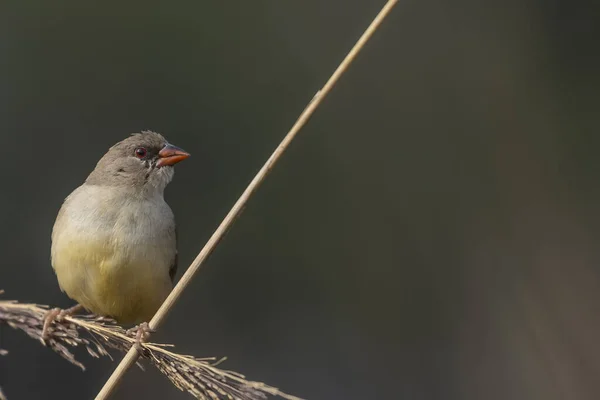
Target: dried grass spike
(198,376)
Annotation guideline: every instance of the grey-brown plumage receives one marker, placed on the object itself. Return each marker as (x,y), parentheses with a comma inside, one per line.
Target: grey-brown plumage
(114,242)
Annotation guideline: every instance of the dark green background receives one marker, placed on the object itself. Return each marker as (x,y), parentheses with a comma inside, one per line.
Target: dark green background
(432,234)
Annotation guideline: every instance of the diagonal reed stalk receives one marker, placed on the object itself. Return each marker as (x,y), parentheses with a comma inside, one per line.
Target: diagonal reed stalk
(132,355)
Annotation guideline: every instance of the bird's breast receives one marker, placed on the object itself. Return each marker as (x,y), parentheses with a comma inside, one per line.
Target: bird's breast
(112,252)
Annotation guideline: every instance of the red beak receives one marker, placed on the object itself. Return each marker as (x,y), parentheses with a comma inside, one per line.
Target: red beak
(171,155)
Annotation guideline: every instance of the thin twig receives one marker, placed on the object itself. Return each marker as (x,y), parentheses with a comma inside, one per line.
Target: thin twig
(162,312)
(198,376)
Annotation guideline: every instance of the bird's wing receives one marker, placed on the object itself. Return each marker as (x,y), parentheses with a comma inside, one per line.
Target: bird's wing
(173,267)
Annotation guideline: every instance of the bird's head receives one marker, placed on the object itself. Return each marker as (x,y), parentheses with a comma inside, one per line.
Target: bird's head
(143,161)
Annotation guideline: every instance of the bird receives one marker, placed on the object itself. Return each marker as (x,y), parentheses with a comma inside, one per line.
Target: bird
(114,241)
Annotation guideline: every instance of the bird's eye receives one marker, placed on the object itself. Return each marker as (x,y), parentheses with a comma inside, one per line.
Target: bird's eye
(140,152)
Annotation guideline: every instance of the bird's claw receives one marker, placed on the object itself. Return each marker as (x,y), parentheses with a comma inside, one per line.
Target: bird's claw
(49,318)
(55,314)
(141,333)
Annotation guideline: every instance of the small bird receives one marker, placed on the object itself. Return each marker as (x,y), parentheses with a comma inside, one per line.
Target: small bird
(114,242)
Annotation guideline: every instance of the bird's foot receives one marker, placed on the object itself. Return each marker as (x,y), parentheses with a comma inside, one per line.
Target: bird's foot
(141,333)
(56,314)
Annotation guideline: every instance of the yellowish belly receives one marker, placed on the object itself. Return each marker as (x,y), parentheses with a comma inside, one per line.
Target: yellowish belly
(112,280)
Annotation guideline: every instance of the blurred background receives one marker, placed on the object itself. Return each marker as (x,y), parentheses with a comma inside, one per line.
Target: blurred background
(431,234)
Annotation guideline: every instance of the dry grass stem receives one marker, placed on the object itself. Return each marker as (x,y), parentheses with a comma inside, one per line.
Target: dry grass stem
(198,376)
(239,205)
